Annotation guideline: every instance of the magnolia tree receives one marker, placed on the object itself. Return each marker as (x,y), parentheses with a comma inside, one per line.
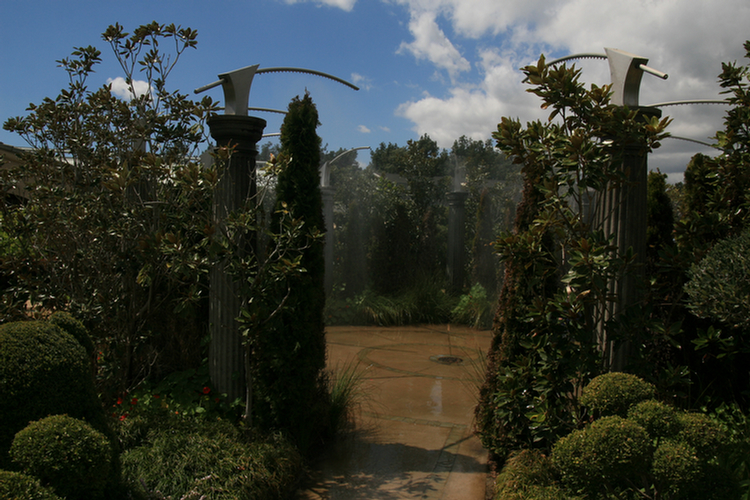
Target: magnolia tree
(560,265)
(115,221)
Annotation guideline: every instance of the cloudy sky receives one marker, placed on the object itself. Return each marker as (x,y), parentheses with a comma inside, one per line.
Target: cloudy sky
(440,67)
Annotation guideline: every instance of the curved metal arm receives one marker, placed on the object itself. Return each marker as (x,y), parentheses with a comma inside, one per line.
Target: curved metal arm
(325,169)
(237,83)
(309,72)
(690,101)
(626,70)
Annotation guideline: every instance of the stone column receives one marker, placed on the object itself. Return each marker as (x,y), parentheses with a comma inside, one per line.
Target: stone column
(456,230)
(326,193)
(624,214)
(235,187)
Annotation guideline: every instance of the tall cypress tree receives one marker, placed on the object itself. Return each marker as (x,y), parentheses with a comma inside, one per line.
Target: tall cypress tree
(290,357)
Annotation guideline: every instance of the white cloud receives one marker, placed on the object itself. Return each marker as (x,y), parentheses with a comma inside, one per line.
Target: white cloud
(688,39)
(363,129)
(361,81)
(122,90)
(345,5)
(431,43)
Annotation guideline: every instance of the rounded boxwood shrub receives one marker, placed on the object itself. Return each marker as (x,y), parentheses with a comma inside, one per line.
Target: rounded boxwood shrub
(529,475)
(65,453)
(17,486)
(74,327)
(614,393)
(605,453)
(676,468)
(702,433)
(658,419)
(43,371)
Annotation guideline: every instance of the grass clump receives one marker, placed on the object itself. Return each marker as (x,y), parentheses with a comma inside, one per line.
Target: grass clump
(345,390)
(188,458)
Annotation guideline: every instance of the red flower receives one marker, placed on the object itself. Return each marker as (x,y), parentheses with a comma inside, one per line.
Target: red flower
(119,401)
(206,390)
(123,417)
(156,395)
(134,401)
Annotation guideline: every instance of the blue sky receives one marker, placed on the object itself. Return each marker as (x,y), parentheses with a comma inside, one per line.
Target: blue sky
(442,67)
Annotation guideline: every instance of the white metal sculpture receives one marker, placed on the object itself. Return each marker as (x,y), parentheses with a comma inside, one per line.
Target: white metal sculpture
(236,85)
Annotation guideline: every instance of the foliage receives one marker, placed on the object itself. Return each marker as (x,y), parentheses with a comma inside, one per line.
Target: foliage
(345,387)
(17,486)
(43,371)
(660,218)
(559,266)
(658,419)
(679,454)
(75,328)
(288,352)
(736,456)
(484,264)
(529,475)
(426,301)
(178,457)
(675,468)
(714,207)
(408,240)
(114,223)
(614,393)
(604,456)
(473,308)
(66,454)
(187,392)
(719,286)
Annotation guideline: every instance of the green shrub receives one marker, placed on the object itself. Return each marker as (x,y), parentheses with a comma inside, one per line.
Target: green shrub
(17,486)
(523,470)
(614,393)
(719,285)
(474,308)
(702,433)
(193,458)
(43,371)
(74,327)
(676,468)
(603,455)
(65,453)
(658,419)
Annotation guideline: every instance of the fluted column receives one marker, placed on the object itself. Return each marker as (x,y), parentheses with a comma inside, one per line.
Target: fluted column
(235,187)
(456,231)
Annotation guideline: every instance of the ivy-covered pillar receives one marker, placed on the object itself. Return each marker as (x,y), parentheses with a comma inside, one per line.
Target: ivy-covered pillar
(236,185)
(624,211)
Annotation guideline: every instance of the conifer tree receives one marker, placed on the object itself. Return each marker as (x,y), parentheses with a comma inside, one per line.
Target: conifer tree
(290,355)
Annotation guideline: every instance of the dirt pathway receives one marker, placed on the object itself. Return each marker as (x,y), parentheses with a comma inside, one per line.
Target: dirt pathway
(413,434)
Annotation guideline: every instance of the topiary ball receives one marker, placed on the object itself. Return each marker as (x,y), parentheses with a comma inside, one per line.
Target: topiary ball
(74,327)
(43,371)
(614,393)
(17,486)
(606,453)
(658,419)
(676,468)
(699,431)
(65,453)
